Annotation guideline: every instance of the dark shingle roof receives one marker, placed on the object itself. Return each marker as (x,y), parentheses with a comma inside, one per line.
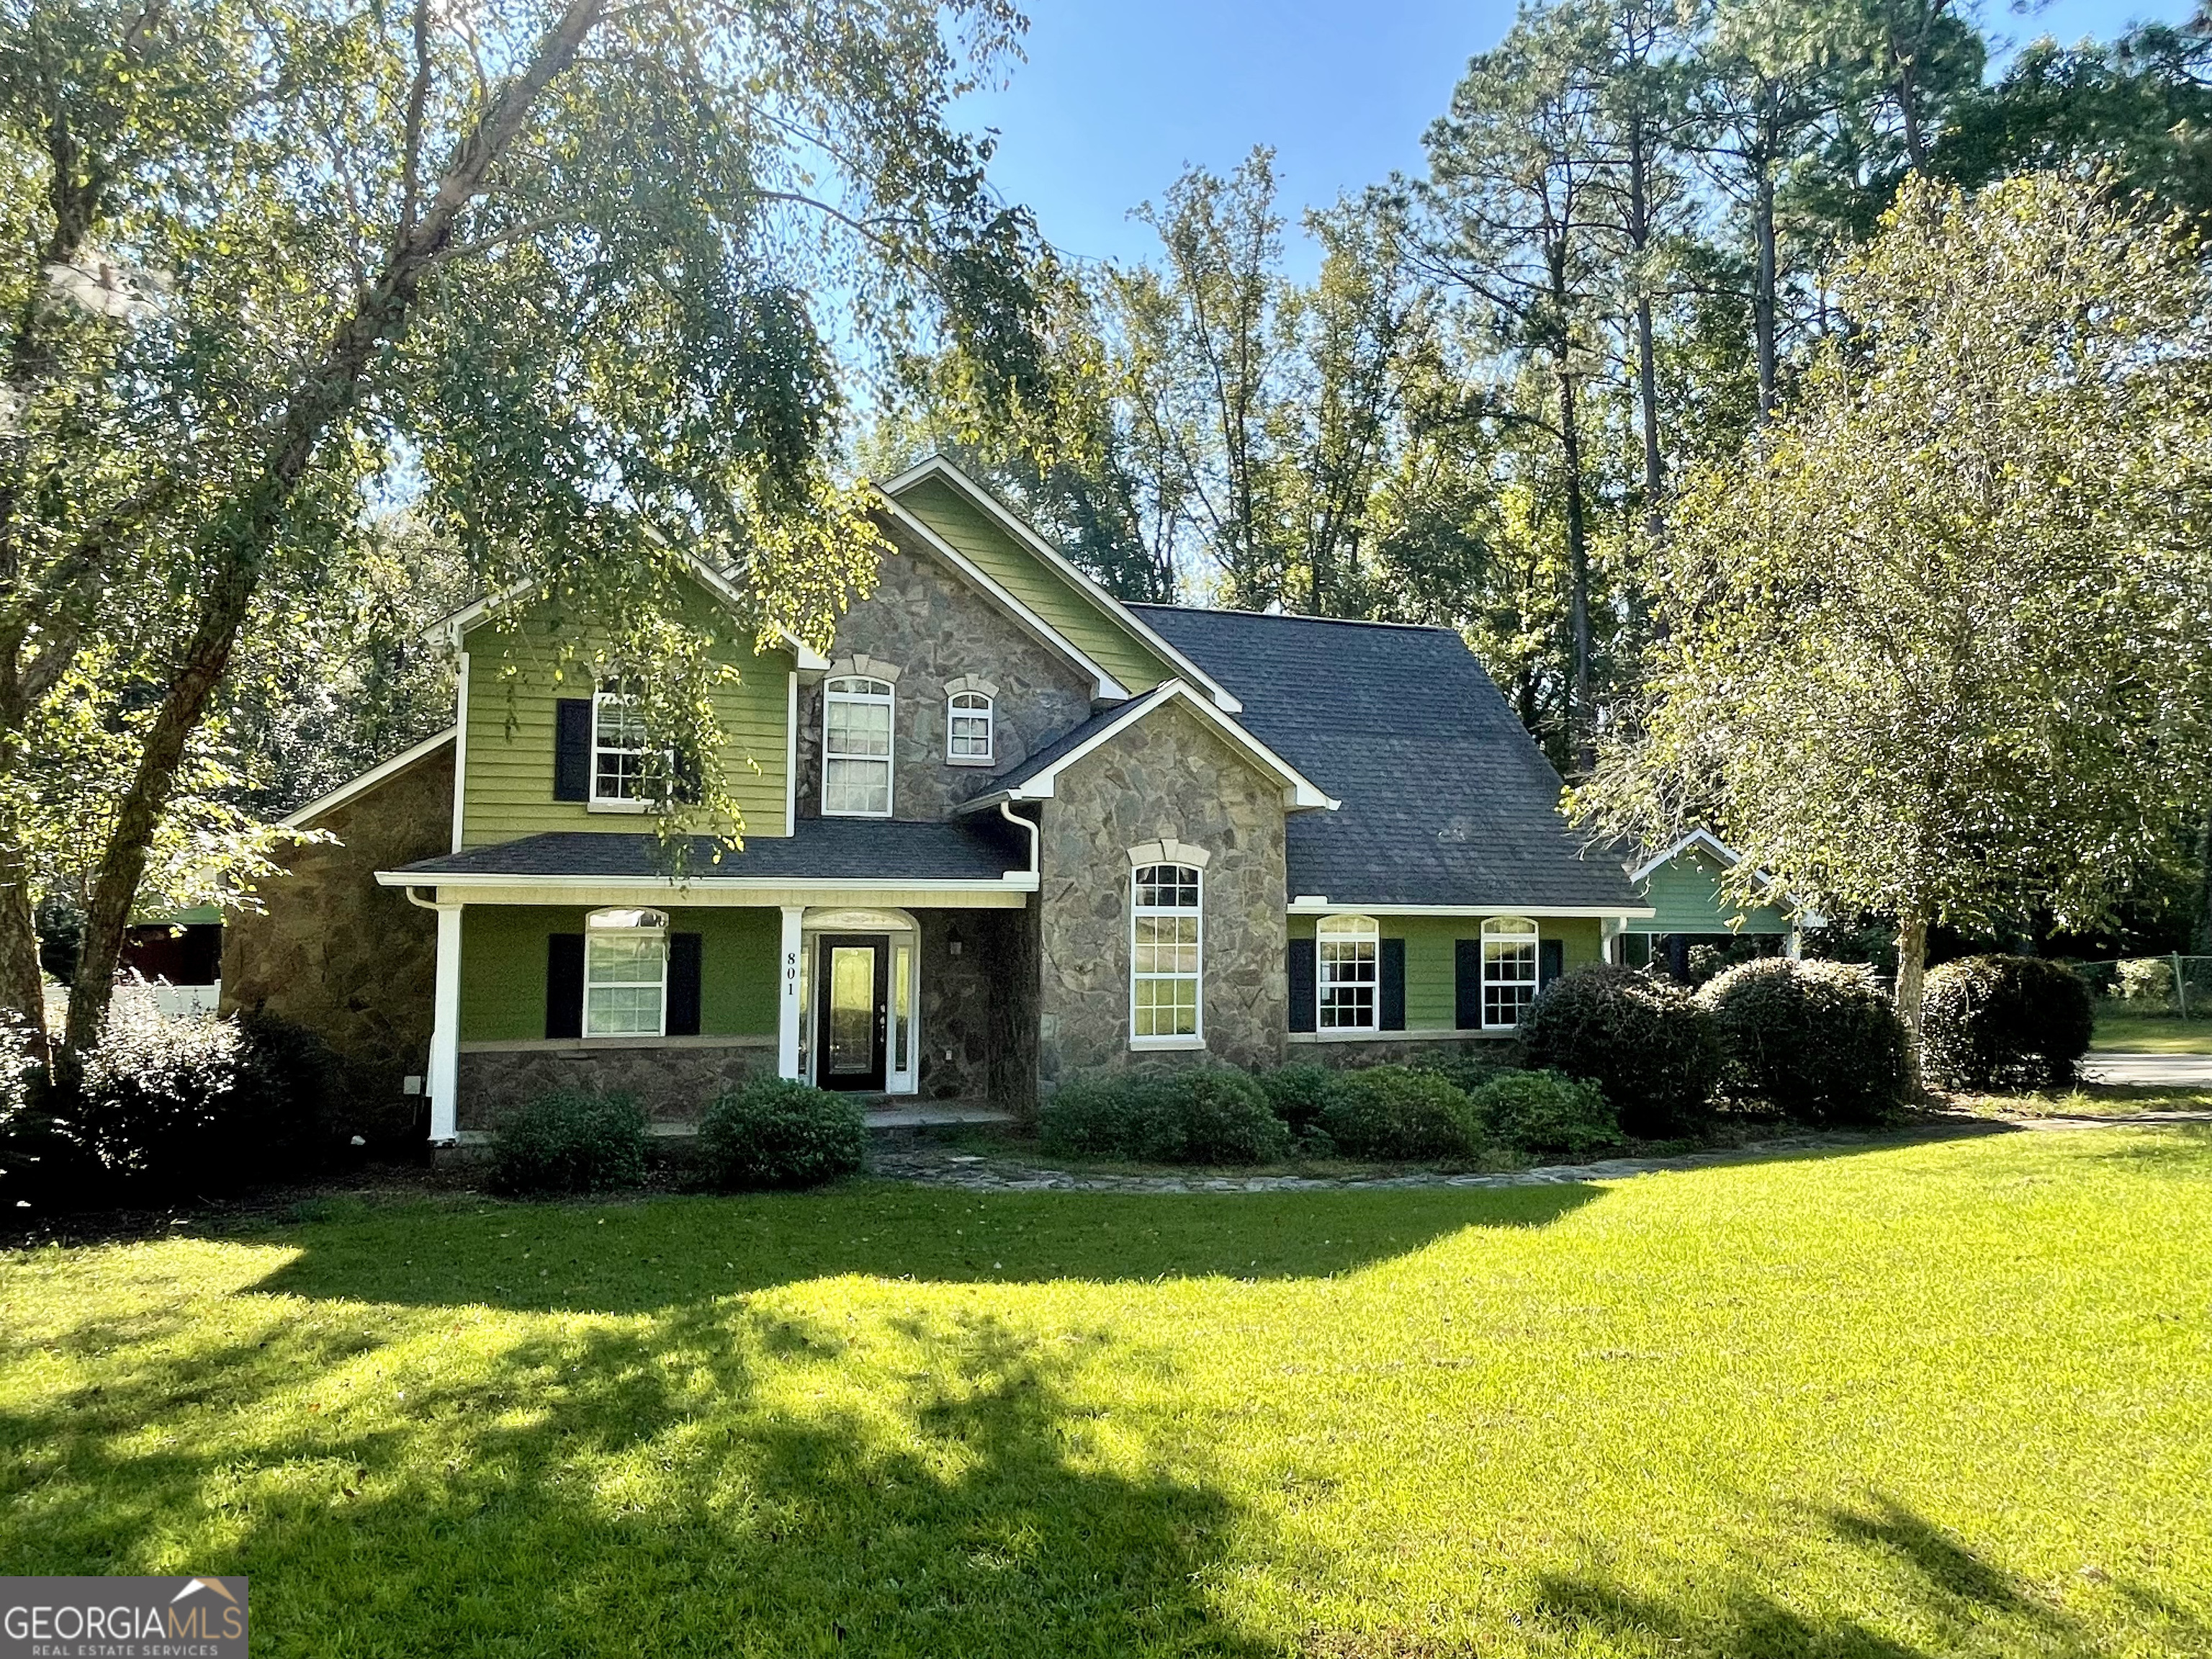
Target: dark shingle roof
(1067,742)
(1447,800)
(823,849)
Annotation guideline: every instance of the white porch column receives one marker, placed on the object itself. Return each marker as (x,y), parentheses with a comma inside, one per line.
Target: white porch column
(444,1078)
(787,1018)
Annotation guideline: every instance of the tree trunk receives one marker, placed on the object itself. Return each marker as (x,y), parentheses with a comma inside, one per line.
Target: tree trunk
(1581,717)
(1764,302)
(1647,369)
(236,544)
(22,986)
(1911,978)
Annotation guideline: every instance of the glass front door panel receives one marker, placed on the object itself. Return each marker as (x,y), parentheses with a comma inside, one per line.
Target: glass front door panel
(852,1047)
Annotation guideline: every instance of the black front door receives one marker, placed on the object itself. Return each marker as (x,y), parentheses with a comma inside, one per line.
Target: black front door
(852,995)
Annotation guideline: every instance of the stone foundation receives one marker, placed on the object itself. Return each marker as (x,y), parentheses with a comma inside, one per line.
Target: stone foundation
(1348,1054)
(673,1078)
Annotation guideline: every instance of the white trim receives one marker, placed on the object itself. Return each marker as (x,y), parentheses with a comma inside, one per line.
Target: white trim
(1195,1037)
(593,801)
(1705,840)
(899,929)
(1006,893)
(442,1078)
(990,712)
(1371,935)
(786,1007)
(889,700)
(938,467)
(1103,685)
(1169,850)
(460,745)
(1533,939)
(300,817)
(584,1008)
(1306,904)
(1300,792)
(791,753)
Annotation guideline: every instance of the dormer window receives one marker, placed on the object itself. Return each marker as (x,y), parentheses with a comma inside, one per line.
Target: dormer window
(856,747)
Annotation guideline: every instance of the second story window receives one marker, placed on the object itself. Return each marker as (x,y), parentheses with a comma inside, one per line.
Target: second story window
(618,751)
(968,721)
(856,747)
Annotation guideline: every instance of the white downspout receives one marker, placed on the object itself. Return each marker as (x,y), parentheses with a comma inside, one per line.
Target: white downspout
(442,1082)
(1007,812)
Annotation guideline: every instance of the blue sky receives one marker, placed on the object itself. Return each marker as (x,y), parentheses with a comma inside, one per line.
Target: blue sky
(1119,96)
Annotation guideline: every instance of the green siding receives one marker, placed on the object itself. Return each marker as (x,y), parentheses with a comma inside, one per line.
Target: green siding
(1036,584)
(508,790)
(1431,955)
(1685,892)
(503,968)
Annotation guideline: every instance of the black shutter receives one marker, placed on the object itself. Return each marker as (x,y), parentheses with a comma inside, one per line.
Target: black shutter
(1393,1010)
(564,985)
(683,985)
(572,749)
(687,788)
(1467,984)
(1302,984)
(1551,960)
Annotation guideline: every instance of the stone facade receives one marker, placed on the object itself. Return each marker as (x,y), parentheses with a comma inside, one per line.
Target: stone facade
(1168,777)
(672,1078)
(352,961)
(929,624)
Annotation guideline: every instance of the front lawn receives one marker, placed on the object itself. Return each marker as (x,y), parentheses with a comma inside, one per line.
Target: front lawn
(2153,1034)
(1943,1397)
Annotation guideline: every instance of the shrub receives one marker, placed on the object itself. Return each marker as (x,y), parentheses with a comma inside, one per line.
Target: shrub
(2004,1022)
(1299,1093)
(571,1142)
(1396,1112)
(1641,1039)
(1466,1072)
(779,1132)
(1209,1114)
(1815,1040)
(2146,979)
(1546,1112)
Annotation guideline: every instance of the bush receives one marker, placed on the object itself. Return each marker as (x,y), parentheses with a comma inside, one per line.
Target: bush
(1209,1114)
(1466,1072)
(2004,1022)
(778,1133)
(571,1142)
(1546,1112)
(1815,1040)
(1299,1093)
(1641,1039)
(2146,979)
(1395,1112)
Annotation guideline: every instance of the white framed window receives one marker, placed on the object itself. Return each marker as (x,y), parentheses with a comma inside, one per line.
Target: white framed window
(856,747)
(625,973)
(618,752)
(970,717)
(1348,975)
(1508,970)
(1167,942)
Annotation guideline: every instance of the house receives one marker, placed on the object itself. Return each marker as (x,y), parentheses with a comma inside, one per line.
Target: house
(1681,882)
(1007,831)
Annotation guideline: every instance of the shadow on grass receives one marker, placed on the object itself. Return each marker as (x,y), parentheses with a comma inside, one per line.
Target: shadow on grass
(635,1257)
(679,1485)
(1950,1599)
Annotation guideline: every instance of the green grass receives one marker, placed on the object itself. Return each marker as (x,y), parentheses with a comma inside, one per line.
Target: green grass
(2153,1034)
(1947,1398)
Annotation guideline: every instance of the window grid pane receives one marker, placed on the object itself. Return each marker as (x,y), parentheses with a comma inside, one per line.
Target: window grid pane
(1351,971)
(617,749)
(1166,957)
(1508,975)
(622,980)
(856,747)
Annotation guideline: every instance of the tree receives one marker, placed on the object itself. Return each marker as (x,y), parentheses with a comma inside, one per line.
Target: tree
(549,271)
(1940,645)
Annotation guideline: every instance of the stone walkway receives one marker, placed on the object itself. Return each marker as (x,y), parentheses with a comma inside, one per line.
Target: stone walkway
(931,1166)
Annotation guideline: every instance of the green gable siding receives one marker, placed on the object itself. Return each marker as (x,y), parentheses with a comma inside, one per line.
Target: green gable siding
(1035,583)
(508,790)
(1431,955)
(1685,892)
(503,953)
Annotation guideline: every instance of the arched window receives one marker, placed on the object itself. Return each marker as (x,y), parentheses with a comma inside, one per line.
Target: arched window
(625,973)
(1166,944)
(969,717)
(1508,970)
(1349,964)
(856,747)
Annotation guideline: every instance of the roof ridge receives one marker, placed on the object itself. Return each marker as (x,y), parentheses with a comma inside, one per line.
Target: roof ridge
(1293,615)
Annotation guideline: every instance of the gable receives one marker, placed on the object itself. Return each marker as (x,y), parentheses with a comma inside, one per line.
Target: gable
(1685,896)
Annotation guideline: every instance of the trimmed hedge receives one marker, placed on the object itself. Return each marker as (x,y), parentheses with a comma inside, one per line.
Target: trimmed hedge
(1546,1112)
(1641,1039)
(776,1132)
(1299,1093)
(1208,1114)
(1814,1040)
(1395,1112)
(2004,1023)
(570,1142)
